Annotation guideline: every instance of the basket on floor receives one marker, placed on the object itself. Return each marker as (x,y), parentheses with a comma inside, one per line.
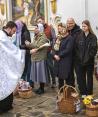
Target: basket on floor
(92,110)
(25,93)
(67,103)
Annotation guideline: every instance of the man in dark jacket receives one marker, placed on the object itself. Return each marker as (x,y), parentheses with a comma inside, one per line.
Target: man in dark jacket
(74,30)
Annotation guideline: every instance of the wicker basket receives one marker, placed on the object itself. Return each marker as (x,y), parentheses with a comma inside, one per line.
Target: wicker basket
(25,93)
(66,102)
(92,110)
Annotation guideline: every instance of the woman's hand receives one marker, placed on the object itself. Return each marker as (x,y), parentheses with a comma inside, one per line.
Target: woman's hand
(57,57)
(27,43)
(58,41)
(33,51)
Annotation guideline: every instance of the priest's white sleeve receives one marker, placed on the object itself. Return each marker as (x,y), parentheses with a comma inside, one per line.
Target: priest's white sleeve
(11,66)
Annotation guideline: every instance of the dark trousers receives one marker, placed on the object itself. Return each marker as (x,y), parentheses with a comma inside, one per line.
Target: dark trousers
(42,86)
(72,76)
(85,78)
(27,69)
(61,82)
(6,104)
(50,69)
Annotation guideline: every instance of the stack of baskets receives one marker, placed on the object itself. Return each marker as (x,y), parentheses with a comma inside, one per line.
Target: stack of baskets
(68,100)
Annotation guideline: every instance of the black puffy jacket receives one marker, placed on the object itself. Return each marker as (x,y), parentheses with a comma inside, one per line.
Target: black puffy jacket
(85,48)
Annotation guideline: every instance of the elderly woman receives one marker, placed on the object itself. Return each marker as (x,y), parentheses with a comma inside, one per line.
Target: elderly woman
(63,56)
(38,58)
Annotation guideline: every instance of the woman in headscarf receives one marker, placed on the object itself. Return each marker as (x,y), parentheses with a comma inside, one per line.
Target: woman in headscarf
(38,58)
(18,33)
(63,55)
(23,34)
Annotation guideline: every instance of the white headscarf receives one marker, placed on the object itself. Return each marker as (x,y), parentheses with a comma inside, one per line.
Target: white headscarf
(40,27)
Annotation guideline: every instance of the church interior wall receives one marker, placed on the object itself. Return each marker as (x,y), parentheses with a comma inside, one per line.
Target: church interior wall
(78,9)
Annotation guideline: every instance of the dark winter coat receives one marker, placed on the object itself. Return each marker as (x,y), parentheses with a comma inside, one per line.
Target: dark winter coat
(74,33)
(25,35)
(62,68)
(85,48)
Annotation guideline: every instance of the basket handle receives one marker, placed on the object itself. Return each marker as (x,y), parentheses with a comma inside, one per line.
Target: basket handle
(62,88)
(65,91)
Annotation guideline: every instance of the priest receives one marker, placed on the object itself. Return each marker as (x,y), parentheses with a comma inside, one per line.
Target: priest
(11,66)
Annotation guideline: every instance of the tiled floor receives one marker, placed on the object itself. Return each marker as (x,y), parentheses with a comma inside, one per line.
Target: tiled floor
(41,106)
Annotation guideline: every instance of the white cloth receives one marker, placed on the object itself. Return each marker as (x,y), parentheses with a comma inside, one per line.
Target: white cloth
(11,65)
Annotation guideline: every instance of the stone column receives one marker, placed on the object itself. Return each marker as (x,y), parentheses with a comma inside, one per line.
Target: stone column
(46,10)
(86,9)
(9,10)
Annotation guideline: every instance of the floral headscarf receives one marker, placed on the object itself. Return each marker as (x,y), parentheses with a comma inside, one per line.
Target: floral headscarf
(18,32)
